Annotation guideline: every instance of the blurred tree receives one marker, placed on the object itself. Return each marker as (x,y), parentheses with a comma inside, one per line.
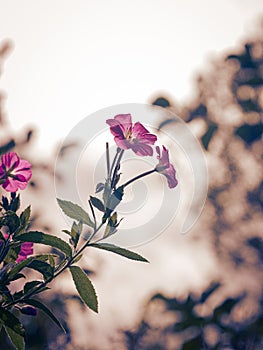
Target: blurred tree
(228,314)
(41,335)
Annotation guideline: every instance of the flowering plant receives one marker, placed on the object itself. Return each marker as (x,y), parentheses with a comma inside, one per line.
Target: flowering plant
(16,240)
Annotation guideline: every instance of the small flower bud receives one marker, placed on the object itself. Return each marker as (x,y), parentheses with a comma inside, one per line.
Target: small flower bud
(29,310)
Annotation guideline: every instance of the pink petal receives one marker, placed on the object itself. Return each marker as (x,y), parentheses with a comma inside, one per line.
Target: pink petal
(125,121)
(120,125)
(142,149)
(25,250)
(25,174)
(10,159)
(158,152)
(170,175)
(165,157)
(140,132)
(10,185)
(23,165)
(122,143)
(2,171)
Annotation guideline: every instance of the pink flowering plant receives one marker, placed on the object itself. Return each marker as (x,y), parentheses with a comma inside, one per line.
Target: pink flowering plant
(17,241)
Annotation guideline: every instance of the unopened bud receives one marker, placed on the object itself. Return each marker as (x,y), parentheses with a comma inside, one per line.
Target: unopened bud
(29,310)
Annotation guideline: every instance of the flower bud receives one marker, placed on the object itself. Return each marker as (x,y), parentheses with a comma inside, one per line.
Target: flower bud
(29,310)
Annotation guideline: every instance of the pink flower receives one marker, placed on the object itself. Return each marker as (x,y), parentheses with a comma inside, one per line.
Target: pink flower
(25,250)
(14,172)
(127,135)
(165,167)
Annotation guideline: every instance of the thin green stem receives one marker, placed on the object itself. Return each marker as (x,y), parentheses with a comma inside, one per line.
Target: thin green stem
(114,160)
(139,177)
(108,159)
(93,213)
(116,167)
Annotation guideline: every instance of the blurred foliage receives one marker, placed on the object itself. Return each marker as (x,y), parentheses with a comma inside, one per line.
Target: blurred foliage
(228,107)
(40,330)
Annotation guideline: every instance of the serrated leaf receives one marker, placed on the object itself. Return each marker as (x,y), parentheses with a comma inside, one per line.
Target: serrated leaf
(84,287)
(74,211)
(44,308)
(43,238)
(44,268)
(25,215)
(30,285)
(24,263)
(11,220)
(24,219)
(16,339)
(118,250)
(9,320)
(97,203)
(12,253)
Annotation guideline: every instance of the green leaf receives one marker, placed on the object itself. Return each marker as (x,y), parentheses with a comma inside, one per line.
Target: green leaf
(75,212)
(16,277)
(24,263)
(43,238)
(76,231)
(97,203)
(30,285)
(41,306)
(118,250)
(112,202)
(84,287)
(44,268)
(67,232)
(17,339)
(24,219)
(12,254)
(25,215)
(112,225)
(11,220)
(10,321)
(99,187)
(106,193)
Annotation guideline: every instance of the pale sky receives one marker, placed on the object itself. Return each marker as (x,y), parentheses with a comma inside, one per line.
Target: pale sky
(72,58)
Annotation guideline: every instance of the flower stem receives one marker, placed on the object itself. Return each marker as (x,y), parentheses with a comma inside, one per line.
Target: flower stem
(108,159)
(121,152)
(139,177)
(114,160)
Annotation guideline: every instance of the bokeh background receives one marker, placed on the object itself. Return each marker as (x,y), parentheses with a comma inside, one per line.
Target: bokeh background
(61,61)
